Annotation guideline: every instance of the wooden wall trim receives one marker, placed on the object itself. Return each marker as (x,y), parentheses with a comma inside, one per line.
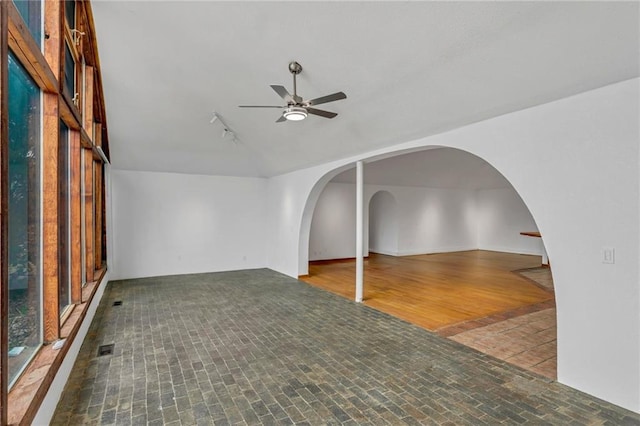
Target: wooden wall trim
(88,50)
(75,218)
(98,188)
(28,52)
(53,39)
(85,140)
(68,112)
(4,275)
(94,59)
(98,138)
(50,235)
(100,110)
(88,105)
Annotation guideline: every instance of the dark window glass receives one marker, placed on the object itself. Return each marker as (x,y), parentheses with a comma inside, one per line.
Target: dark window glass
(31,12)
(25,334)
(70,13)
(69,71)
(64,237)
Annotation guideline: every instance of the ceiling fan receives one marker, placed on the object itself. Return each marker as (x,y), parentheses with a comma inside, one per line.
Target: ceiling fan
(296,108)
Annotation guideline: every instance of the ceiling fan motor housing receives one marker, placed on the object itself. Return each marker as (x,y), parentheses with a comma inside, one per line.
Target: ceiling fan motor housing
(295,68)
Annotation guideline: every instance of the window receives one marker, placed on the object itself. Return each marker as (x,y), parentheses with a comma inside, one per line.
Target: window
(70,13)
(24,130)
(51,199)
(72,54)
(64,215)
(83,219)
(31,13)
(88,165)
(69,72)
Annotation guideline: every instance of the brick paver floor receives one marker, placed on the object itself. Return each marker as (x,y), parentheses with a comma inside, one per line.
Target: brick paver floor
(528,341)
(257,347)
(525,337)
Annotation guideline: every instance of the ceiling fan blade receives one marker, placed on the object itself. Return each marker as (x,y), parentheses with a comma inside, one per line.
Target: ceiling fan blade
(260,106)
(321,113)
(281,119)
(329,98)
(284,94)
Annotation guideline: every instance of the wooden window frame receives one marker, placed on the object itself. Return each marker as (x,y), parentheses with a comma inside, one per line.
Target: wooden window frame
(87,199)
(64,204)
(50,210)
(75,217)
(45,64)
(4,281)
(27,50)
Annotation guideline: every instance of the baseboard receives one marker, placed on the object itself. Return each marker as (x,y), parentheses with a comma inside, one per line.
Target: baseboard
(385,252)
(452,249)
(513,250)
(136,276)
(449,249)
(335,259)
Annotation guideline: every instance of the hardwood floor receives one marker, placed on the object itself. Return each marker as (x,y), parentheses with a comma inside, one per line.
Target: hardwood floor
(501,304)
(437,290)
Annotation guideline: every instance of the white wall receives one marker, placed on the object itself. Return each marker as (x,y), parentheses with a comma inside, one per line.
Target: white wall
(501,215)
(428,220)
(435,220)
(168,223)
(383,223)
(333,227)
(575,162)
(288,212)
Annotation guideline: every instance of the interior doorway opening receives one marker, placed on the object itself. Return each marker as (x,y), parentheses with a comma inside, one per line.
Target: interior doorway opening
(445,252)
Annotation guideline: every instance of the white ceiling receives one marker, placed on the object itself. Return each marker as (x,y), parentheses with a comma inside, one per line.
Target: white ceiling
(434,168)
(409,69)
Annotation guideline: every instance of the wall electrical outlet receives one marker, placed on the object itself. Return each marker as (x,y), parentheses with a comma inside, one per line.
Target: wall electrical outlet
(608,255)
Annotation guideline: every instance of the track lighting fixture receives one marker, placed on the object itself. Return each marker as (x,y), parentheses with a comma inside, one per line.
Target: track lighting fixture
(226,131)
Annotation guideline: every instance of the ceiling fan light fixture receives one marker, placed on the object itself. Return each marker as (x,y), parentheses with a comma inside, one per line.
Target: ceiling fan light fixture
(295,113)
(297,109)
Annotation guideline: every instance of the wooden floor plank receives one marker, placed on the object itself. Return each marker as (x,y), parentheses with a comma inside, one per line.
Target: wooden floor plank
(436,290)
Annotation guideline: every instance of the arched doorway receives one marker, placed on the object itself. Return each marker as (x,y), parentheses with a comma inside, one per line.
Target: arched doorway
(448,211)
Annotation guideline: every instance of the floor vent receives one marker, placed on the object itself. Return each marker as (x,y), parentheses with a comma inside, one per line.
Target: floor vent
(117,303)
(105,350)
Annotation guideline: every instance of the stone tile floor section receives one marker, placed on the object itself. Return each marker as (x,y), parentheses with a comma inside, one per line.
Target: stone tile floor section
(540,276)
(525,337)
(528,341)
(257,347)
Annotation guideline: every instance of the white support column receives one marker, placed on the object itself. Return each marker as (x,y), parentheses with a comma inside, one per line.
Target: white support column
(359,232)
